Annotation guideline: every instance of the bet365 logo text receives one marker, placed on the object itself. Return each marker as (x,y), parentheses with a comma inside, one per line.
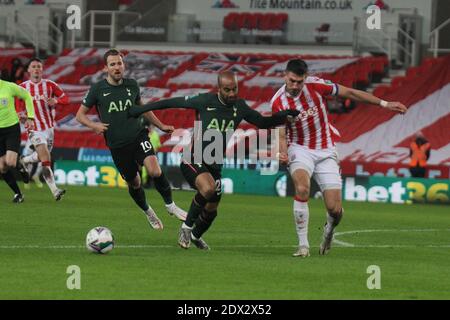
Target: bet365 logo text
(73,21)
(396,190)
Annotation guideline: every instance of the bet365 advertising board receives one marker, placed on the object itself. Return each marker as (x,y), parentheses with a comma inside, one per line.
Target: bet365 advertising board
(396,190)
(247,181)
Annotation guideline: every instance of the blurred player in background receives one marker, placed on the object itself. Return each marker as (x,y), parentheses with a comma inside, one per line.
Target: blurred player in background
(307,145)
(10,133)
(155,140)
(221,111)
(126,137)
(46,96)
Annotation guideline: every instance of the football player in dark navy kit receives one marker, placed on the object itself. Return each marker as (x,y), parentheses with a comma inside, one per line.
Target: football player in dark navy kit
(221,111)
(125,136)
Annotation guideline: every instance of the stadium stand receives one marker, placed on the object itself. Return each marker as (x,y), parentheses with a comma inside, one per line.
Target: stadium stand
(8,55)
(363,135)
(255,27)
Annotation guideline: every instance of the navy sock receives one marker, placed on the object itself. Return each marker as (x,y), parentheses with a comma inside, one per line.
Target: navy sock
(163,187)
(11,181)
(138,196)
(203,222)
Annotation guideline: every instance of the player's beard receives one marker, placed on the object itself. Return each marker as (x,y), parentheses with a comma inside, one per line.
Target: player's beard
(230,100)
(293,92)
(117,76)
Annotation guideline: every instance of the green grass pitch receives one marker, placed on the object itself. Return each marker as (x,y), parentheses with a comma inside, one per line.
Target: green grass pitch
(251,243)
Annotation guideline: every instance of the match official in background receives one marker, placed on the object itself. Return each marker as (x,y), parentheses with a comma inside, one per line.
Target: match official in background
(419,151)
(10,134)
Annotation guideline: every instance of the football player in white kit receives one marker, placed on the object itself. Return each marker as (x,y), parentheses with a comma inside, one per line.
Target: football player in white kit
(307,145)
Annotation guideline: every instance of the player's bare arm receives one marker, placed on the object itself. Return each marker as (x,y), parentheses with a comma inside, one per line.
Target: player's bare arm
(82,118)
(283,156)
(153,119)
(361,96)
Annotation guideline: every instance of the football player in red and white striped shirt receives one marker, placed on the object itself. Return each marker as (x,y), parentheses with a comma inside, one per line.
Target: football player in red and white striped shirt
(46,95)
(307,145)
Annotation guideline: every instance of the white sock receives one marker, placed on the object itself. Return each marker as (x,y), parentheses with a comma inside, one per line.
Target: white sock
(185,226)
(301,218)
(32,158)
(170,204)
(50,180)
(39,169)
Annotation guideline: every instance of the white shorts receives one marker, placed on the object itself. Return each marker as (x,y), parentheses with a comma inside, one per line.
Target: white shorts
(42,137)
(322,165)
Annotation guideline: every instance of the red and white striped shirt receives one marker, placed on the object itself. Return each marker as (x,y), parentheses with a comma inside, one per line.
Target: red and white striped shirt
(311,128)
(44,113)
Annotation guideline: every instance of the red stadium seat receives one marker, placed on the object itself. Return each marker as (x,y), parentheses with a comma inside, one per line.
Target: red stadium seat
(252,21)
(283,16)
(230,21)
(241,20)
(397,82)
(69,142)
(380,91)
(265,23)
(279,21)
(267,93)
(254,93)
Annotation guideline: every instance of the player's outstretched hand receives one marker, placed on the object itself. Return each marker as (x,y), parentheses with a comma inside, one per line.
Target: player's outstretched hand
(52,102)
(396,107)
(167,129)
(292,114)
(100,127)
(283,158)
(22,117)
(29,124)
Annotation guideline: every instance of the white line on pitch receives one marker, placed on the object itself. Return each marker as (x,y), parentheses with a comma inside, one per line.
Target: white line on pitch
(143,246)
(335,241)
(348,244)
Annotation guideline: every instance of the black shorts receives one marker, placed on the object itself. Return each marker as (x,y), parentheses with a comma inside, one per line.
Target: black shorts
(192,170)
(128,158)
(418,172)
(10,139)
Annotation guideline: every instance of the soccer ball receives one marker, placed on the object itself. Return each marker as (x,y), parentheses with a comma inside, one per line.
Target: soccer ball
(100,240)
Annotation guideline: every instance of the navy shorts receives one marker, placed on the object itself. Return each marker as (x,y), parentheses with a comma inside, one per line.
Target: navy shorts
(128,158)
(192,170)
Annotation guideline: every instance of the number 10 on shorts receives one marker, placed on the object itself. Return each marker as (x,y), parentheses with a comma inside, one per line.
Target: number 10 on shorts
(146,146)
